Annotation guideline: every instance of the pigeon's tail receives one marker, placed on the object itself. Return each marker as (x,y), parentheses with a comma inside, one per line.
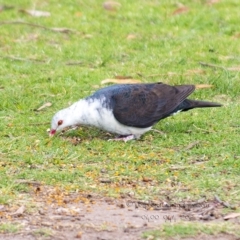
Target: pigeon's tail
(188,104)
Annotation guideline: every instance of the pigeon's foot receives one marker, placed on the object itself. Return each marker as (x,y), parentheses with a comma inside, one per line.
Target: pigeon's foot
(123,138)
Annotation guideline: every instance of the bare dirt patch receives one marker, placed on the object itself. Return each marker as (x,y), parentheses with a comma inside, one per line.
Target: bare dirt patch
(50,213)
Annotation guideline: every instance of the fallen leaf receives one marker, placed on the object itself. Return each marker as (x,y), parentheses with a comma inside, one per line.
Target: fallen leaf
(111,5)
(234,68)
(48,104)
(171,73)
(180,10)
(19,212)
(79,235)
(237,35)
(200,86)
(95,86)
(226,57)
(123,77)
(32,37)
(105,180)
(231,215)
(88,36)
(78,14)
(131,36)
(146,179)
(36,13)
(120,81)
(197,71)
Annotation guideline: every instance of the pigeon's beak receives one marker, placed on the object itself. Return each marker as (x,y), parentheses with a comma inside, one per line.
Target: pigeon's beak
(52,132)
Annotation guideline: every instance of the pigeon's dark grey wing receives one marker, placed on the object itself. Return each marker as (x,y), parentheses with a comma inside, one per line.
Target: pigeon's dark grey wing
(142,105)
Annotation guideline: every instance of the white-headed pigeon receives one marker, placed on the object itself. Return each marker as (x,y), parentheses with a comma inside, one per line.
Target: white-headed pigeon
(129,110)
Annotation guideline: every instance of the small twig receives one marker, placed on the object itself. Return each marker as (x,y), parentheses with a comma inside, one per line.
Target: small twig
(174,168)
(74,63)
(105,180)
(24,59)
(207,210)
(203,130)
(225,204)
(192,145)
(48,104)
(61,30)
(160,132)
(211,65)
(19,212)
(235,192)
(188,147)
(24,23)
(24,181)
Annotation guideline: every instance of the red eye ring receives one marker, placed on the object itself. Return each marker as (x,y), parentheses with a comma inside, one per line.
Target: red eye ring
(60,122)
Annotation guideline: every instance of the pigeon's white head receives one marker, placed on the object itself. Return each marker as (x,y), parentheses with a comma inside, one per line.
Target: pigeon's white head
(60,121)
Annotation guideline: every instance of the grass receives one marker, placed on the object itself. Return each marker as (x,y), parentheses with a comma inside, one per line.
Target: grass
(164,47)
(9,228)
(184,230)
(42,232)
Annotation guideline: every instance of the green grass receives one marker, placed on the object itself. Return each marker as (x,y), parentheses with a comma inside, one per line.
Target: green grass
(170,46)
(42,232)
(184,230)
(9,228)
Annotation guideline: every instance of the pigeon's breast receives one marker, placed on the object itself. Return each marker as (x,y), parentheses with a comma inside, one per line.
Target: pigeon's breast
(100,114)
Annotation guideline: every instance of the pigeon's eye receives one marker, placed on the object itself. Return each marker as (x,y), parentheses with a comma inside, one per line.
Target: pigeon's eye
(60,122)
